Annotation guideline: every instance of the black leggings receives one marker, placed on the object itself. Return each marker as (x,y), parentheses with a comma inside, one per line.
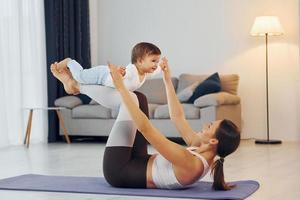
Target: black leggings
(127,166)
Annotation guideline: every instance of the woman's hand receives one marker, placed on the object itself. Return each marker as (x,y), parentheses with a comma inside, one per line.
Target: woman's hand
(165,68)
(116,76)
(122,70)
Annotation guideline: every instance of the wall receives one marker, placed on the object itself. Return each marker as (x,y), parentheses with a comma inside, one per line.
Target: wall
(204,36)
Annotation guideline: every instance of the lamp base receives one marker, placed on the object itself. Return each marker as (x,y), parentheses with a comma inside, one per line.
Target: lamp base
(268,142)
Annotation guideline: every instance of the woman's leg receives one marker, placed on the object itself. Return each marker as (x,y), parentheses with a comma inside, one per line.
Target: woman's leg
(125,162)
(140,143)
(123,132)
(125,158)
(124,128)
(105,96)
(111,98)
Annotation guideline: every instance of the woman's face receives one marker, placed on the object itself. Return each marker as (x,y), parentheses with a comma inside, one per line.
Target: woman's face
(208,132)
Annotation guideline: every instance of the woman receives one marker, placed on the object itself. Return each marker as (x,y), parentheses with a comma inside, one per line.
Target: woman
(126,161)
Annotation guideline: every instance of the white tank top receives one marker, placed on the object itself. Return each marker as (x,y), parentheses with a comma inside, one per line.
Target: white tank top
(163,174)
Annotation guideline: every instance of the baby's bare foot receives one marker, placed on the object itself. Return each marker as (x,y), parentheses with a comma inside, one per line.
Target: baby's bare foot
(70,85)
(62,65)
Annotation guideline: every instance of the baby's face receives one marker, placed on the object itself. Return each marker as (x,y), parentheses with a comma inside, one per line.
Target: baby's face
(149,63)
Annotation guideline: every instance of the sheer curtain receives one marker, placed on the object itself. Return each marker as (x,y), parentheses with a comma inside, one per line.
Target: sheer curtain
(22,70)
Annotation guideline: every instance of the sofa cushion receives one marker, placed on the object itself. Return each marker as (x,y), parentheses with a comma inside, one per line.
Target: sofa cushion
(155,91)
(229,82)
(216,99)
(91,111)
(210,85)
(68,101)
(190,111)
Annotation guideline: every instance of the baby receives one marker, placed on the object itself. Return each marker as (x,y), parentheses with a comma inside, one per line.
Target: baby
(144,64)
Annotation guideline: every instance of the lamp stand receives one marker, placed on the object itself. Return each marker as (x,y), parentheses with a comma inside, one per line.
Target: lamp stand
(267,141)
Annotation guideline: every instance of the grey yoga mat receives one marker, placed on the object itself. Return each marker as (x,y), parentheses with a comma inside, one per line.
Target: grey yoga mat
(98,185)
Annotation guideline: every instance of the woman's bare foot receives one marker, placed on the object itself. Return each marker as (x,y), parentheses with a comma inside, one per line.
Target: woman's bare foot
(70,85)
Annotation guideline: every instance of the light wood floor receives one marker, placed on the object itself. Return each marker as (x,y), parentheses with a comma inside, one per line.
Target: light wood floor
(276,168)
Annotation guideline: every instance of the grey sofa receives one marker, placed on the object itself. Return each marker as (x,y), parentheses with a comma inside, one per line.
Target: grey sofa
(95,120)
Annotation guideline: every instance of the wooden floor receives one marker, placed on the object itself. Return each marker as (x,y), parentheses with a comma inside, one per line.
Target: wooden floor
(276,168)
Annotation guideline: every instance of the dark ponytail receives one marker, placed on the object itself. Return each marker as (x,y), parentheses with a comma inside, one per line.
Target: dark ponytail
(218,173)
(228,136)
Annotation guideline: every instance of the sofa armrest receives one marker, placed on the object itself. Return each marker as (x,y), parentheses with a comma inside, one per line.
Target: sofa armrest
(68,102)
(216,99)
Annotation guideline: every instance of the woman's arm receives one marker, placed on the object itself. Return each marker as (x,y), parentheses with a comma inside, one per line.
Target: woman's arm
(173,152)
(175,108)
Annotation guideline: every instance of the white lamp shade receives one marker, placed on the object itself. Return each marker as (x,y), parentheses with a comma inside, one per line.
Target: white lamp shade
(266,24)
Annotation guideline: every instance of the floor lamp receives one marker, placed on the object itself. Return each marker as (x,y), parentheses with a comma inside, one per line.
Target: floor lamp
(267,26)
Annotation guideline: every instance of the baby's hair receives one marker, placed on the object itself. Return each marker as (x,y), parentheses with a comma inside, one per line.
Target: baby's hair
(143,49)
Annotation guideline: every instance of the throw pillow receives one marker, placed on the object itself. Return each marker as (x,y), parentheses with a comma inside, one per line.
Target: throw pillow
(187,92)
(210,85)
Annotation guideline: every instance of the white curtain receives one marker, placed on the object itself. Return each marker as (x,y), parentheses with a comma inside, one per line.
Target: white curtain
(23,79)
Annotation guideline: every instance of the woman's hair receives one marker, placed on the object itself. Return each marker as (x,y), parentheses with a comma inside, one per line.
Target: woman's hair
(143,49)
(229,137)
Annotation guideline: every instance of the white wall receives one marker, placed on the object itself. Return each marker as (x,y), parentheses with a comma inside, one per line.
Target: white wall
(204,36)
